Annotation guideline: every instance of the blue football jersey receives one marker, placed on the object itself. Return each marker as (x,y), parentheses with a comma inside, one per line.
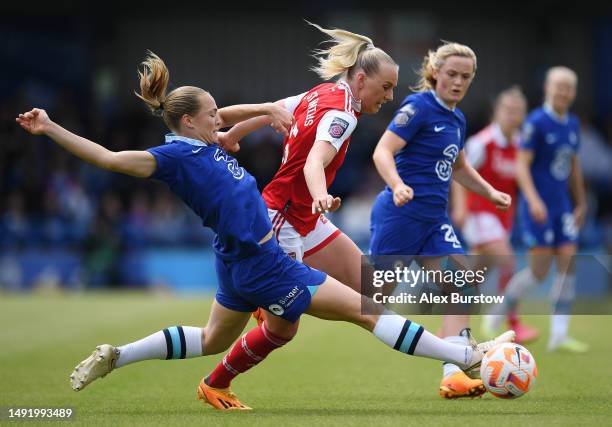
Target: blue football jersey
(434,136)
(218,190)
(554,141)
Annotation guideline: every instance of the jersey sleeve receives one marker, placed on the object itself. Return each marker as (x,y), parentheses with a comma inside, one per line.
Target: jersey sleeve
(335,127)
(292,102)
(407,120)
(475,152)
(166,162)
(529,135)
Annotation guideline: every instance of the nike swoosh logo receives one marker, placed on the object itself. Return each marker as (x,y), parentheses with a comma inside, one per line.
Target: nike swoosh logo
(197,151)
(438,129)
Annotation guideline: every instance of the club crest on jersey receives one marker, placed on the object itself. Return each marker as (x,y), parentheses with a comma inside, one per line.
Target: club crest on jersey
(232,165)
(404,115)
(337,127)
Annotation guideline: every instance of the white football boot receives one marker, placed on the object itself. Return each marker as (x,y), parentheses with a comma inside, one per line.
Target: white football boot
(99,364)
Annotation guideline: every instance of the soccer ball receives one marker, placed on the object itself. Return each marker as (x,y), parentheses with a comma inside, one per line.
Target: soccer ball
(508,371)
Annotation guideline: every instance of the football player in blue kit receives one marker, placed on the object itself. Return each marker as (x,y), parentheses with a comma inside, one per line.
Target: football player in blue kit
(549,176)
(252,269)
(421,150)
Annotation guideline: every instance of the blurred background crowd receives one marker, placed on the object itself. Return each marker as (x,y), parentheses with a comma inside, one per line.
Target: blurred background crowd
(65,223)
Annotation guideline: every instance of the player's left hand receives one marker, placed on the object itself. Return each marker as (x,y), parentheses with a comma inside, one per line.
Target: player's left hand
(502,201)
(229,144)
(579,216)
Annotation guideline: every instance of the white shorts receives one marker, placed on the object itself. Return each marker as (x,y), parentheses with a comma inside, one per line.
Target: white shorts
(483,227)
(298,246)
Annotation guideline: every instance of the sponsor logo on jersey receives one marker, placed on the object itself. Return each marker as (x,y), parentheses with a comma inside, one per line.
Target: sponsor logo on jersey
(404,115)
(290,297)
(276,309)
(551,138)
(337,127)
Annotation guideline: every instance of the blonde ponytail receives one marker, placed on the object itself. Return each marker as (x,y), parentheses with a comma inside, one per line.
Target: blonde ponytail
(154,79)
(349,52)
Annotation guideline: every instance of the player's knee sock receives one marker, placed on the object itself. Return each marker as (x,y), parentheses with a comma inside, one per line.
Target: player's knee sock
(176,342)
(520,284)
(251,349)
(505,275)
(450,368)
(563,293)
(411,338)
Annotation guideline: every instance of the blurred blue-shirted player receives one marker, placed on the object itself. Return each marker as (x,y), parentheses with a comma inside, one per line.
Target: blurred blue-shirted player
(252,268)
(549,176)
(417,156)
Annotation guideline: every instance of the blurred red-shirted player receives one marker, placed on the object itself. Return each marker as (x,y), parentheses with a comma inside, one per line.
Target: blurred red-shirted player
(492,152)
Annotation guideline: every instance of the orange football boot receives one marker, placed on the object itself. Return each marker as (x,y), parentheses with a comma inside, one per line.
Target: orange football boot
(220,398)
(459,385)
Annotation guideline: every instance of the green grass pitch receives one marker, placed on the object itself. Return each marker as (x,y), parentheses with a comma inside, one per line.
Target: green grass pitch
(331,374)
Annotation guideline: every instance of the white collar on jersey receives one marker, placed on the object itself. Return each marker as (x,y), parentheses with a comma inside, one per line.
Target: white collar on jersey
(439,101)
(356,103)
(548,109)
(173,137)
(500,138)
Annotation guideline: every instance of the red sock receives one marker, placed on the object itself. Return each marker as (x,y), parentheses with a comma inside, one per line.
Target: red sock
(248,351)
(505,274)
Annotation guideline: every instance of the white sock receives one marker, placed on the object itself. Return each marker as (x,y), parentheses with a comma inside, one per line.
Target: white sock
(176,342)
(449,368)
(411,338)
(559,325)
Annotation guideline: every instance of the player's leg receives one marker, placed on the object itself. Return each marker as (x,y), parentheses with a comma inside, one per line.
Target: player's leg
(499,254)
(563,293)
(176,342)
(540,260)
(334,301)
(327,249)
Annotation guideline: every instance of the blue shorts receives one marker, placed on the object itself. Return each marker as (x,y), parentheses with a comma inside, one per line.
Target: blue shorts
(271,280)
(395,234)
(558,229)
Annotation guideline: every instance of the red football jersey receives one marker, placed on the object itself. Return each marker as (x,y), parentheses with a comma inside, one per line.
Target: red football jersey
(494,157)
(287,192)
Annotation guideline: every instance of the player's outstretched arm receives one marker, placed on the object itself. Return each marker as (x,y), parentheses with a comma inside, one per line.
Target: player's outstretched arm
(469,177)
(230,140)
(321,154)
(135,163)
(274,114)
(384,160)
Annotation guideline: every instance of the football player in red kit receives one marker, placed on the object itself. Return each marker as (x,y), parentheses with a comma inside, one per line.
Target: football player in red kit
(492,152)
(325,117)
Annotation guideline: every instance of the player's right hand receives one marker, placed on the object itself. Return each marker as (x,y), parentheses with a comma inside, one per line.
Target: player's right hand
(280,119)
(325,203)
(402,194)
(34,121)
(229,144)
(538,211)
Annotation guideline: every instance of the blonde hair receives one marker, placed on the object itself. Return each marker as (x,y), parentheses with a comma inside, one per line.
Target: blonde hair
(348,53)
(561,70)
(435,61)
(154,79)
(514,91)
